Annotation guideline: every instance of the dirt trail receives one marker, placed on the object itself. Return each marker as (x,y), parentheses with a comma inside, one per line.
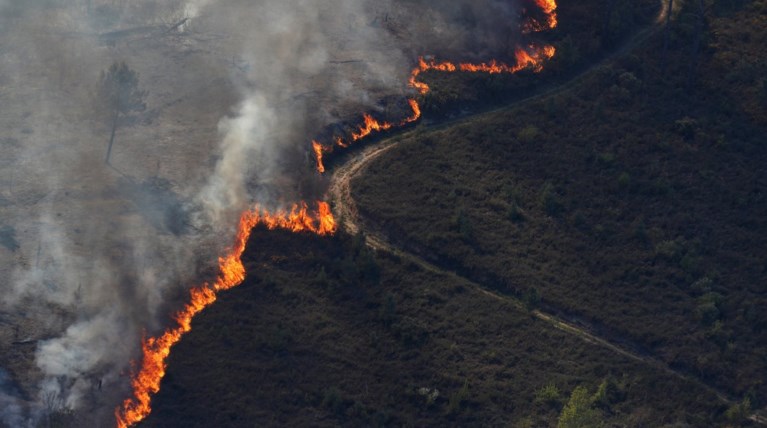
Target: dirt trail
(350,220)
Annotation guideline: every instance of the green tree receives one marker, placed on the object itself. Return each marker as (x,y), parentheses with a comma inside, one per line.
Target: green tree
(120,96)
(579,412)
(739,412)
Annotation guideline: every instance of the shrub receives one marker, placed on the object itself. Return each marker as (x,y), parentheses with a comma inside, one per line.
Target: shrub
(528,134)
(388,310)
(332,400)
(707,312)
(516,214)
(549,394)
(624,181)
(686,127)
(464,226)
(608,393)
(322,278)
(579,412)
(457,399)
(739,412)
(670,250)
(531,298)
(606,159)
(550,200)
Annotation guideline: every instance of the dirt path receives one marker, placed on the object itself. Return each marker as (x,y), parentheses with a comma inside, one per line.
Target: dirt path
(351,221)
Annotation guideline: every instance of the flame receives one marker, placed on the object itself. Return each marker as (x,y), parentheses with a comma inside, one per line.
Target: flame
(340,143)
(531,57)
(416,112)
(146,382)
(318,155)
(370,125)
(549,8)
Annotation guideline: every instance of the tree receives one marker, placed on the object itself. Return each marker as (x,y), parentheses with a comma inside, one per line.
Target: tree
(120,94)
(579,412)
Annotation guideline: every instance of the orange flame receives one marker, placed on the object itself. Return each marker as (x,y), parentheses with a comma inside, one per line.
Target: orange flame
(371,124)
(146,382)
(318,155)
(532,57)
(549,8)
(340,143)
(416,112)
(368,128)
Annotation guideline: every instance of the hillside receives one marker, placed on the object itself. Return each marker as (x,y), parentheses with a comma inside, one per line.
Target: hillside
(326,333)
(634,201)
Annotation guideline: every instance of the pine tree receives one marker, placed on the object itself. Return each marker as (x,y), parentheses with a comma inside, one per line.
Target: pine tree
(119,92)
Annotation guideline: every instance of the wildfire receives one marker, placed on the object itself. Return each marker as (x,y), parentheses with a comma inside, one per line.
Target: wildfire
(549,8)
(531,57)
(146,382)
(317,147)
(371,125)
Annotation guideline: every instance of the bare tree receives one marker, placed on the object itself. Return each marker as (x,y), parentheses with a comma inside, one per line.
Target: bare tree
(120,94)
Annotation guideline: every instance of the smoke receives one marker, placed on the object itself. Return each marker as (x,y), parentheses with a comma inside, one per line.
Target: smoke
(11,411)
(105,253)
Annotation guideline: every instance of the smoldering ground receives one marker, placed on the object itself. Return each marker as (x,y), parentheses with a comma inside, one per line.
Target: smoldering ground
(102,254)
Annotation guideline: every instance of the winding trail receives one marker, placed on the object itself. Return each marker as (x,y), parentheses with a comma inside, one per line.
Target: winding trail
(349,219)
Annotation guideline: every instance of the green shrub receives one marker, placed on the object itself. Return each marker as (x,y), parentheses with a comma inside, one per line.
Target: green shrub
(624,181)
(549,394)
(550,200)
(579,411)
(331,400)
(671,250)
(608,393)
(528,134)
(464,226)
(457,399)
(686,127)
(322,278)
(388,310)
(531,298)
(516,214)
(707,313)
(739,412)
(606,160)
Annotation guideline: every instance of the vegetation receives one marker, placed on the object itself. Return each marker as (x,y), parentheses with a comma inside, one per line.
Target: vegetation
(636,202)
(414,349)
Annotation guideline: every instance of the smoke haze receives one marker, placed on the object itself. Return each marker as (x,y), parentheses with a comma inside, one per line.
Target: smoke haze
(96,256)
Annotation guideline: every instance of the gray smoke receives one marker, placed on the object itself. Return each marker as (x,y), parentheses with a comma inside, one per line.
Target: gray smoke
(97,256)
(12,413)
